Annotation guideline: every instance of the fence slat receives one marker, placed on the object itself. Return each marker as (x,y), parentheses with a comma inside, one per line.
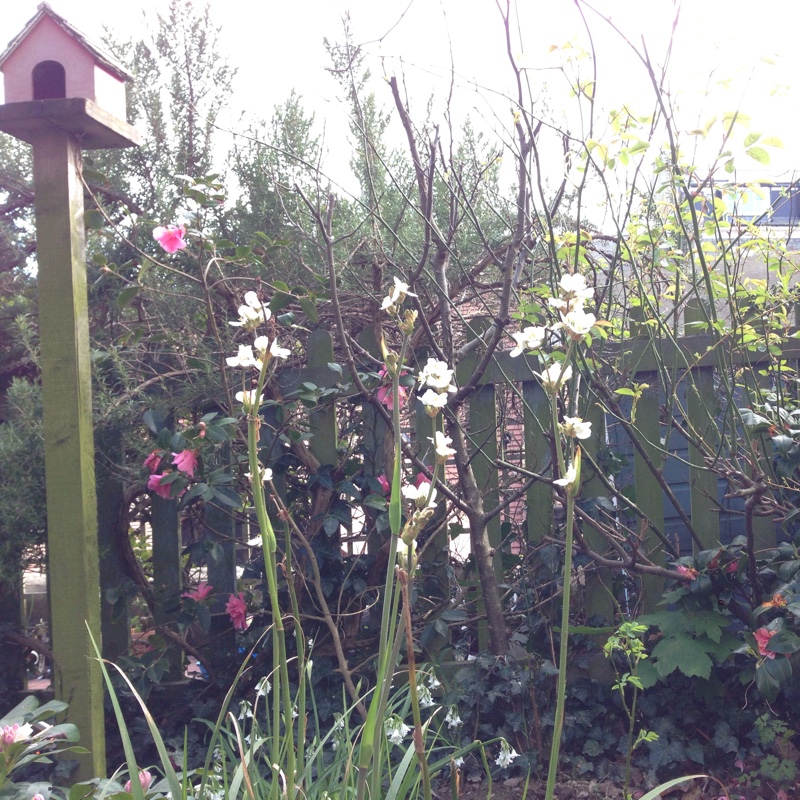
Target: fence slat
(114,617)
(700,405)
(167,575)
(599,595)
(539,497)
(322,421)
(649,496)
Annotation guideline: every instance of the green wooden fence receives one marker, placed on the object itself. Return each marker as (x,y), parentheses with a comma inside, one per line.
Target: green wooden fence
(508,421)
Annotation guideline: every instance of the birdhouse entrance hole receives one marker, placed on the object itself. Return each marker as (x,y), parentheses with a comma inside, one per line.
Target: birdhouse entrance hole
(49,81)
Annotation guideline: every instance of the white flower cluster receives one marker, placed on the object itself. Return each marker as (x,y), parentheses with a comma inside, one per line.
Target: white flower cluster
(396,729)
(438,378)
(252,314)
(507,754)
(452,719)
(573,294)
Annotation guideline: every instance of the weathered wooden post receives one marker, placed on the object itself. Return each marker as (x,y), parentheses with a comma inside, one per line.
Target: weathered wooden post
(63,95)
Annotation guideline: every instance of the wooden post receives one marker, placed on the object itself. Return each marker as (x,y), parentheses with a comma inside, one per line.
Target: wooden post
(68,440)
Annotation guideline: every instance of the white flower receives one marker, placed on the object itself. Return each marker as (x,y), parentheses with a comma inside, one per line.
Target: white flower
(244,358)
(569,477)
(245,710)
(458,762)
(253,313)
(452,719)
(433,682)
(577,323)
(437,375)
(266,475)
(419,494)
(396,729)
(442,445)
(424,696)
(278,352)
(574,290)
(250,400)
(531,338)
(507,754)
(433,401)
(552,379)
(576,427)
(398,294)
(263,687)
(269,349)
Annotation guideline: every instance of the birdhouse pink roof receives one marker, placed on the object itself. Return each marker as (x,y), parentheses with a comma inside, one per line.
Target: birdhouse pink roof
(50,58)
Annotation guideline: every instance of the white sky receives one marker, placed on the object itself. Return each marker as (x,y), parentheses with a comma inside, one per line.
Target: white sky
(277,45)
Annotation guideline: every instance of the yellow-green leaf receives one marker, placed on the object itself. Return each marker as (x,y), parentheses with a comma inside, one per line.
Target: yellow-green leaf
(758,154)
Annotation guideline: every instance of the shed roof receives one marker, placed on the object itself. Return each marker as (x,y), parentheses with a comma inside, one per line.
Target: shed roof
(103,57)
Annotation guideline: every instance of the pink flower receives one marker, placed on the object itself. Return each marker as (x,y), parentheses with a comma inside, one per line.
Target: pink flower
(237,611)
(161,489)
(421,478)
(186,461)
(762,636)
(145,779)
(200,592)
(383,481)
(153,460)
(38,796)
(171,237)
(689,573)
(385,395)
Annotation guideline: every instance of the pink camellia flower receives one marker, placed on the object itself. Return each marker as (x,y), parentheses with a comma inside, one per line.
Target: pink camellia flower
(186,461)
(237,611)
(170,237)
(762,636)
(154,485)
(200,592)
(145,779)
(385,395)
(421,478)
(153,460)
(384,482)
(38,796)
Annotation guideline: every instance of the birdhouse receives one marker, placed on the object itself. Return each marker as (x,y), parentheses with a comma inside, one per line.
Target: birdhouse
(52,74)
